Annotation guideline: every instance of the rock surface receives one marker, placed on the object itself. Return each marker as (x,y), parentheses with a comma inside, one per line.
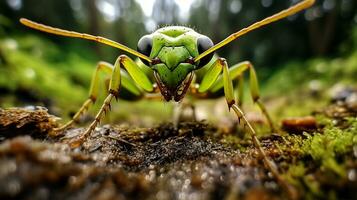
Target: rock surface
(164,162)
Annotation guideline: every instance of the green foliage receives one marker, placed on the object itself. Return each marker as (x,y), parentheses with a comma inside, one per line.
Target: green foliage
(319,73)
(59,80)
(34,65)
(306,85)
(324,72)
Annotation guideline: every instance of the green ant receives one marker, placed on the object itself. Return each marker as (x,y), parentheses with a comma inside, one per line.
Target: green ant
(174,53)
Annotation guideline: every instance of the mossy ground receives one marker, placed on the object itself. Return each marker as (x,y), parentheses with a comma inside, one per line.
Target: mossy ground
(192,161)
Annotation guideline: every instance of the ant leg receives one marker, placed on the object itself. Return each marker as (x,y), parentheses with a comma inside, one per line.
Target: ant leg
(93,94)
(117,80)
(236,72)
(208,81)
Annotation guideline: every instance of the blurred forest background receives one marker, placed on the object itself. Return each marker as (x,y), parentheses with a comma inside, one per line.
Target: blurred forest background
(307,53)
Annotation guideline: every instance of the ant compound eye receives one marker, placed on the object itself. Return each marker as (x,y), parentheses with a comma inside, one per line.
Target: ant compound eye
(144,47)
(204,43)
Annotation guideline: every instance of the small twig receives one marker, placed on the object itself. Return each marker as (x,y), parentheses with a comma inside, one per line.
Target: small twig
(120,140)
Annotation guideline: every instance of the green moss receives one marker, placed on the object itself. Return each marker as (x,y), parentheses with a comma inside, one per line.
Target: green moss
(325,148)
(319,158)
(291,144)
(234,141)
(295,172)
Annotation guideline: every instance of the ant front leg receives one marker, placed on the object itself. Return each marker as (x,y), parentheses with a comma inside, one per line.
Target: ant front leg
(118,79)
(210,82)
(236,72)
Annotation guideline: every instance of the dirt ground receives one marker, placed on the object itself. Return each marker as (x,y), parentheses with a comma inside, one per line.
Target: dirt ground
(191,161)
